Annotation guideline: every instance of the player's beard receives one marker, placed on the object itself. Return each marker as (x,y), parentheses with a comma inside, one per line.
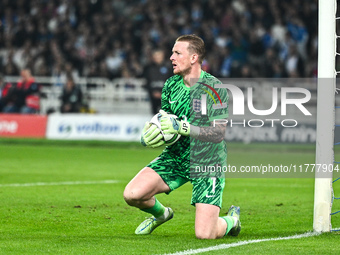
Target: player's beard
(184,72)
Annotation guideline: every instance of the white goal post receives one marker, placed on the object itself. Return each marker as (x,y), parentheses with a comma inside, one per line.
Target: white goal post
(325,115)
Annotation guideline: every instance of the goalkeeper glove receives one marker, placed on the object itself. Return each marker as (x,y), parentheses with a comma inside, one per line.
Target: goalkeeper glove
(151,136)
(171,125)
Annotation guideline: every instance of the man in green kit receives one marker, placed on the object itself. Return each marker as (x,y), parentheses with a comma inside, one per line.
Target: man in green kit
(201,144)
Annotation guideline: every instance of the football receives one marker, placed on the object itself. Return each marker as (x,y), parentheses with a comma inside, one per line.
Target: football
(168,138)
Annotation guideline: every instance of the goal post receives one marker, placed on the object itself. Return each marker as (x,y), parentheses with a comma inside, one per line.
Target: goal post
(325,115)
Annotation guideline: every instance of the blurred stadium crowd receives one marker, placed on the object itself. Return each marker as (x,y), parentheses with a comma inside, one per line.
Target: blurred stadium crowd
(115,38)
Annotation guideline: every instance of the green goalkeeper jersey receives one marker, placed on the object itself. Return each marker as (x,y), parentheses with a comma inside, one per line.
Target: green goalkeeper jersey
(182,101)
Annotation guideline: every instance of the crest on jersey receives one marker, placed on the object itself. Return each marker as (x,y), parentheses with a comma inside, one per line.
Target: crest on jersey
(196,105)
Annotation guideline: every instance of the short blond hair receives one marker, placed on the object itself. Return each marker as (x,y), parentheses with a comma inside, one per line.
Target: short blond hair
(196,45)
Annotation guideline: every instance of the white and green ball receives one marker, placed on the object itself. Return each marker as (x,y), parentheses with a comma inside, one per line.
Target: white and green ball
(168,138)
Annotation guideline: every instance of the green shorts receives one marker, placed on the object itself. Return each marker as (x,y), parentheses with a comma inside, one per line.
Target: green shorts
(175,171)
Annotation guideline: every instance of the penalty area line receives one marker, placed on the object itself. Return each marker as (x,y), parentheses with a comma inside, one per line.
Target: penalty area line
(227,246)
(57,183)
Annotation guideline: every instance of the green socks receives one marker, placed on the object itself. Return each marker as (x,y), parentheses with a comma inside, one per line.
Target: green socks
(230,223)
(157,210)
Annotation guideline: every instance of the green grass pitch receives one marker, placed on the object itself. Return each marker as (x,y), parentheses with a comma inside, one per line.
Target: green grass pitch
(92,218)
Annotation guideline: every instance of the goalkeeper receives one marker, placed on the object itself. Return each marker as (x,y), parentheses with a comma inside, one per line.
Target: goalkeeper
(202,143)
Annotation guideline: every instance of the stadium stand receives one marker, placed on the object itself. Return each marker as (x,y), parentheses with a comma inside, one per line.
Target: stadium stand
(106,40)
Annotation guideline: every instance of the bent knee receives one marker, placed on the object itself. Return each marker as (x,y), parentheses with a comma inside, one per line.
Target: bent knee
(133,196)
(129,196)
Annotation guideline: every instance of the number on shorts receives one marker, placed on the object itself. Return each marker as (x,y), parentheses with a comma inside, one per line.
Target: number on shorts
(213,184)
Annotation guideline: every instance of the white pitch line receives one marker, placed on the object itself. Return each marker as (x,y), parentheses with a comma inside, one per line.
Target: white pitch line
(57,183)
(227,246)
